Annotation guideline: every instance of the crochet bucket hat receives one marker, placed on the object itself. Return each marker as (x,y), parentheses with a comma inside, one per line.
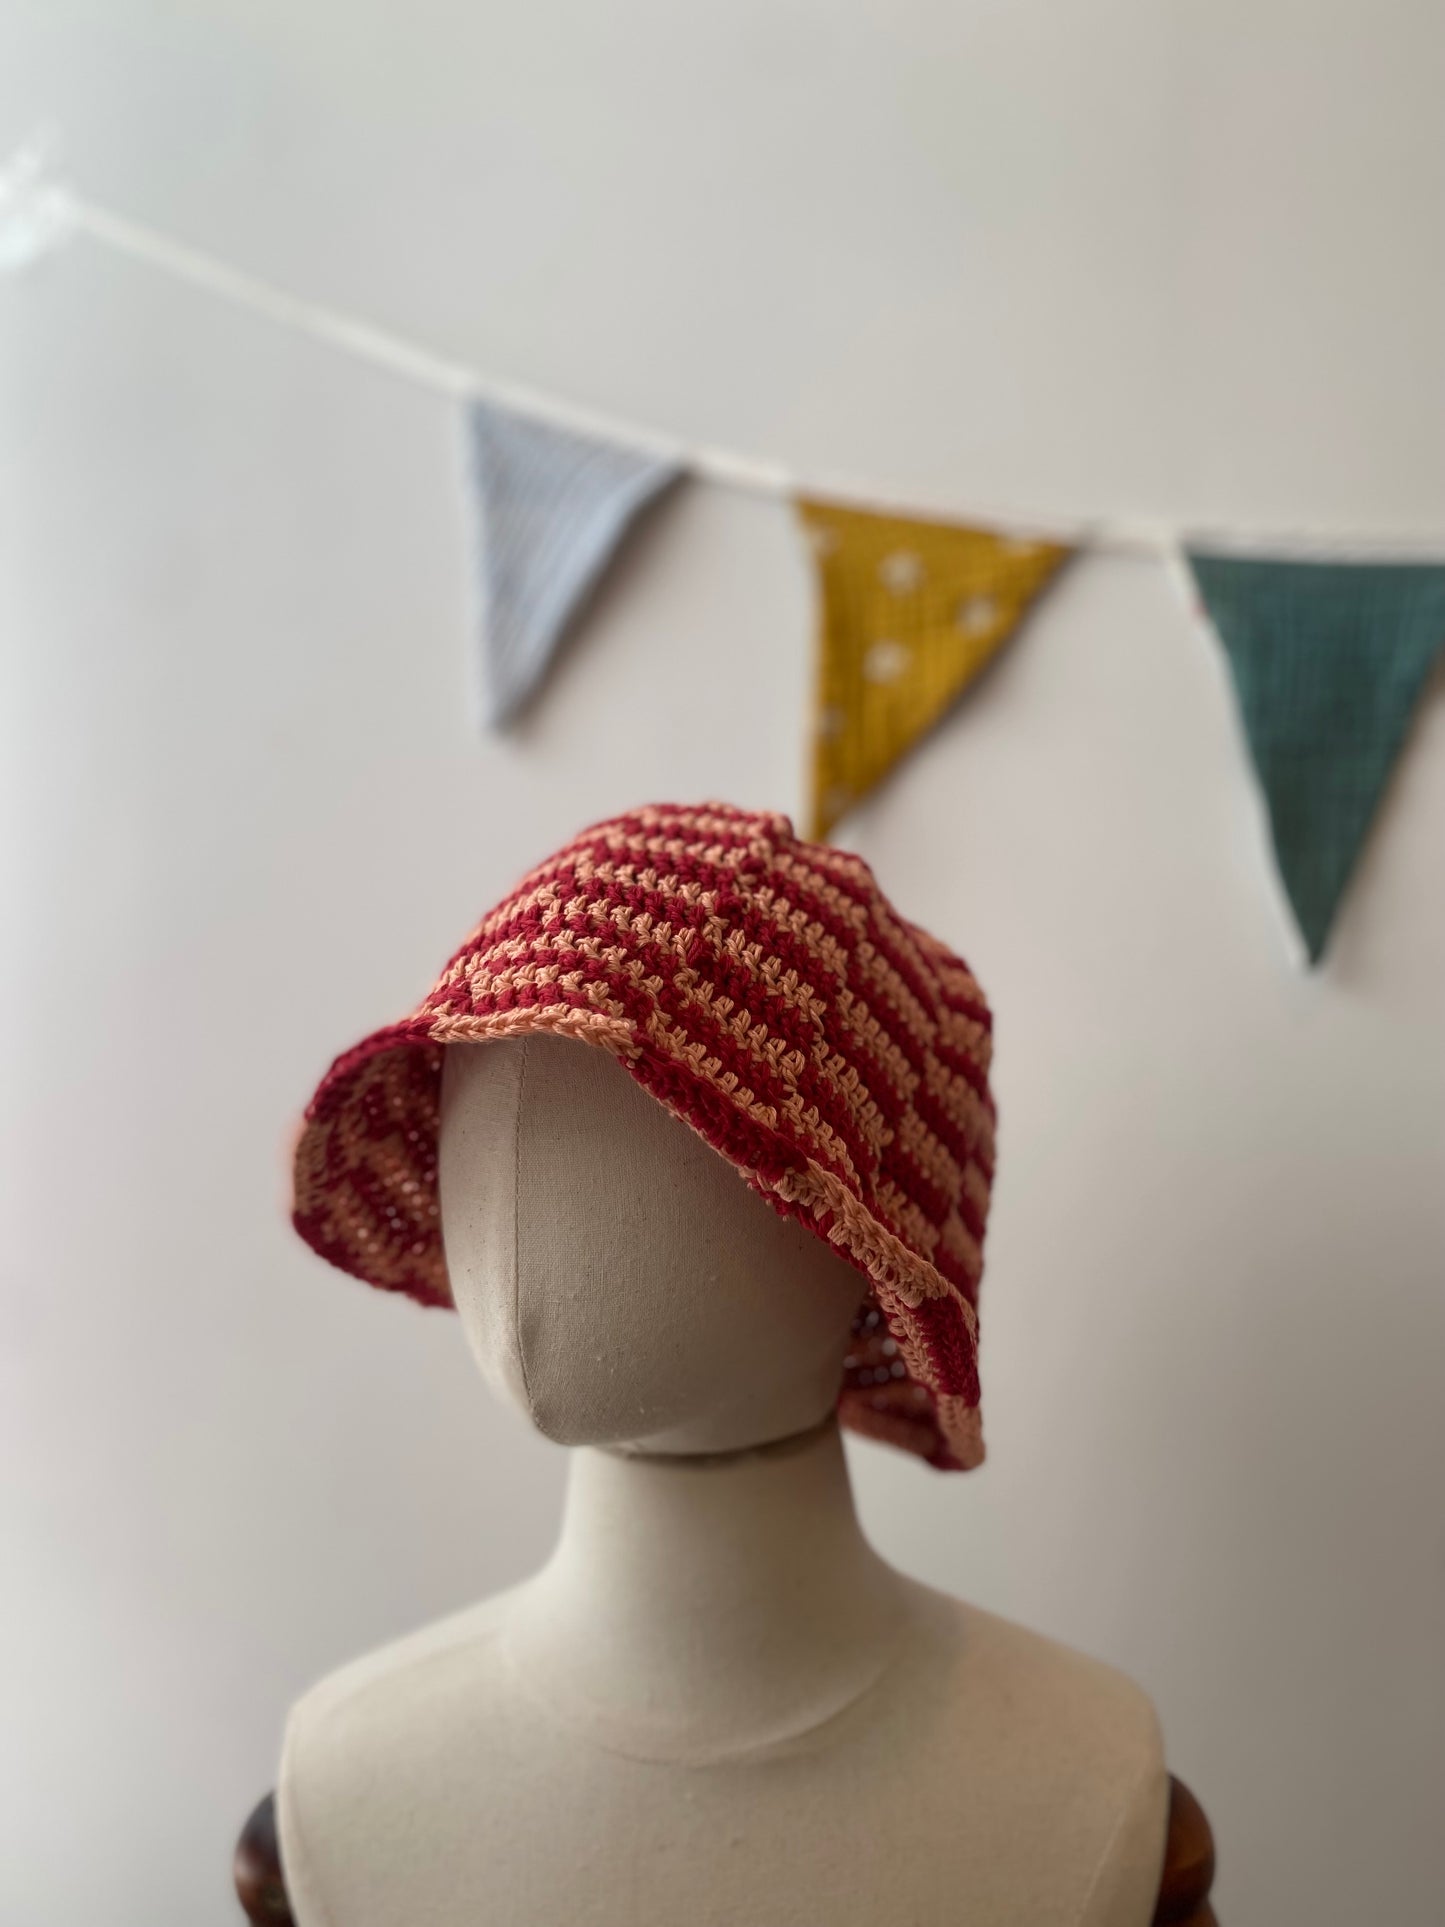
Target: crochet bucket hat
(767,994)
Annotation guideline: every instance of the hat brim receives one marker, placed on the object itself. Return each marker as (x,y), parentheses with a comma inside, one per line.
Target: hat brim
(365,1199)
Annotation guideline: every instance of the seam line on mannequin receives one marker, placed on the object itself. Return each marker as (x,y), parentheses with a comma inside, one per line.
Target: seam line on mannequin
(1116,1832)
(763,1449)
(651,1750)
(294,1861)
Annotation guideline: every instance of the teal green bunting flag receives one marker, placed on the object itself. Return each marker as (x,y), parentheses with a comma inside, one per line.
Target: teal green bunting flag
(1328,660)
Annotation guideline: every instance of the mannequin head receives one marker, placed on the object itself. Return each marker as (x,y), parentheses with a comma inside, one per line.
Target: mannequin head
(614,1275)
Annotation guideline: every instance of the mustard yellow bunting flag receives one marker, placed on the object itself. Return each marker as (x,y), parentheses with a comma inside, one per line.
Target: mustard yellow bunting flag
(909,613)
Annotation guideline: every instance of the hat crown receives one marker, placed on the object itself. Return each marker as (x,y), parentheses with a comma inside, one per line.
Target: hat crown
(763,990)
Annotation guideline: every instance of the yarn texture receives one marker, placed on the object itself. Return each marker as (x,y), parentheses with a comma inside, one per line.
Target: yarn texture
(765,992)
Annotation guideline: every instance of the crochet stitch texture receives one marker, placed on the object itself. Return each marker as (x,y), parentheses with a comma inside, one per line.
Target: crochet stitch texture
(765,992)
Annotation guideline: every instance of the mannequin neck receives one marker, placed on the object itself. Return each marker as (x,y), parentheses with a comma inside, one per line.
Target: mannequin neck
(697,1608)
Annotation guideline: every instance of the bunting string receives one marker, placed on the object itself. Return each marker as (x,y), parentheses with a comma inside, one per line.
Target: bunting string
(39,212)
(1329,640)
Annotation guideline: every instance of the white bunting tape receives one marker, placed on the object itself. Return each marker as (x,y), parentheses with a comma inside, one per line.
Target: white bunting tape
(34,211)
(37,213)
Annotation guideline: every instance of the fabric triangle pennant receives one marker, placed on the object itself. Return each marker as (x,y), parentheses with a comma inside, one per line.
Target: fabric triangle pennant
(909,612)
(1328,661)
(554,507)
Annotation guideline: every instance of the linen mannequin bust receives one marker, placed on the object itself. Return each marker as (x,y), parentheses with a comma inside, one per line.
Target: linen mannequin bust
(715,1704)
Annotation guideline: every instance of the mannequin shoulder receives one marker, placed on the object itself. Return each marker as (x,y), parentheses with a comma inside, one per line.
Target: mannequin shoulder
(1051,1748)
(458,1634)
(1052,1758)
(391,1703)
(384,1739)
(1058,1702)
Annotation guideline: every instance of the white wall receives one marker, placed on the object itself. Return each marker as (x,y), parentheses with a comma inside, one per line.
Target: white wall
(1104,256)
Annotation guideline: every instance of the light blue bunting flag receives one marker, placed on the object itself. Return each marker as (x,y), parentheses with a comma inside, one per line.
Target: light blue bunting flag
(1328,660)
(553,506)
